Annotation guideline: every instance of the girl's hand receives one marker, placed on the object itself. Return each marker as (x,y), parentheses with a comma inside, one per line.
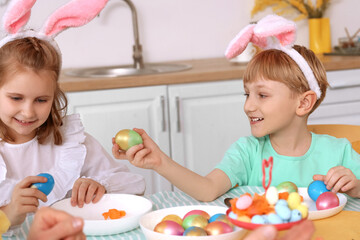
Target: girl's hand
(341,179)
(24,200)
(86,190)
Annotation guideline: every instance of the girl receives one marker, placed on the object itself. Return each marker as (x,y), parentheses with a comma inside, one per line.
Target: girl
(283,85)
(35,134)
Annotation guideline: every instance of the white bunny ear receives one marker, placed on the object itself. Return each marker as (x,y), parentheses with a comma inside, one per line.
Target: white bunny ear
(17,15)
(74,14)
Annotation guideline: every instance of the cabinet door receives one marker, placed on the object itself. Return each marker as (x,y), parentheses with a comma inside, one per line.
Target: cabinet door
(205,119)
(342,102)
(106,112)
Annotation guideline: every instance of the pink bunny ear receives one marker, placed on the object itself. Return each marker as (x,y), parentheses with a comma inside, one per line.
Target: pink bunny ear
(240,42)
(17,15)
(74,14)
(276,26)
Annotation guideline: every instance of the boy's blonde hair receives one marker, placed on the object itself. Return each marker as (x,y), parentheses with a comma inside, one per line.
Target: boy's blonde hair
(276,65)
(37,55)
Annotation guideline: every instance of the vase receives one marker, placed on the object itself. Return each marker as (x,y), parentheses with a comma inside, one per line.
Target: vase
(319,35)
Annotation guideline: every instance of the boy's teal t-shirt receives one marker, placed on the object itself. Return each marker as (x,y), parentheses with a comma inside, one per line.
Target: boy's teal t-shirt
(243,161)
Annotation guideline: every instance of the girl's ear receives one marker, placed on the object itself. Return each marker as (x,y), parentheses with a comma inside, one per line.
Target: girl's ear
(307,101)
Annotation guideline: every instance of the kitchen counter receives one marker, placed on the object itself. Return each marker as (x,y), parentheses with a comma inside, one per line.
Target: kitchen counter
(203,70)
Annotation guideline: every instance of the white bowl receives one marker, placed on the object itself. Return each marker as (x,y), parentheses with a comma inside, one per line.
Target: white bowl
(149,221)
(94,222)
(319,214)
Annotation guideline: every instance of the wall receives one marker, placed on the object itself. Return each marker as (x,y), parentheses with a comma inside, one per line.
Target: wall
(170,30)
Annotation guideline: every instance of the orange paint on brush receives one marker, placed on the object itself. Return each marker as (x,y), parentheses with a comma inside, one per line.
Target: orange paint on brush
(114,214)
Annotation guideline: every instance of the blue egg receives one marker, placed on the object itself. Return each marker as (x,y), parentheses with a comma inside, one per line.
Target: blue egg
(214,217)
(295,215)
(266,218)
(316,188)
(232,215)
(282,202)
(45,187)
(283,212)
(274,219)
(257,219)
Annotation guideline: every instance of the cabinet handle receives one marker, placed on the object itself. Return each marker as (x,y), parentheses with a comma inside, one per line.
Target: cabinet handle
(163,122)
(177,101)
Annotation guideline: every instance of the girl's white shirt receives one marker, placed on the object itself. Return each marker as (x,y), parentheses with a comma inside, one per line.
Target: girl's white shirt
(80,155)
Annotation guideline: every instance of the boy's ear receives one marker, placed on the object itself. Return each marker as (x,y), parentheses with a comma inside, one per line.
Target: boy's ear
(307,101)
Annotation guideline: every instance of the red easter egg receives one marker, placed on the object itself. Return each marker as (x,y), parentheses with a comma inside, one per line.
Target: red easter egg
(327,200)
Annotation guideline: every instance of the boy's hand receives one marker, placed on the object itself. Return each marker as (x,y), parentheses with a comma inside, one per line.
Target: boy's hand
(146,155)
(341,179)
(86,190)
(24,200)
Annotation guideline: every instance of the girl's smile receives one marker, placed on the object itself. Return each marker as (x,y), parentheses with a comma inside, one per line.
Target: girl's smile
(23,107)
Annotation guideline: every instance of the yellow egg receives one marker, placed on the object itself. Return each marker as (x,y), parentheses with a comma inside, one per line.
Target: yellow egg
(244,218)
(303,209)
(294,200)
(174,218)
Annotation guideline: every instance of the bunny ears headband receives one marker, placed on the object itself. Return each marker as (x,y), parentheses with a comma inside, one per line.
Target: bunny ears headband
(273,32)
(74,14)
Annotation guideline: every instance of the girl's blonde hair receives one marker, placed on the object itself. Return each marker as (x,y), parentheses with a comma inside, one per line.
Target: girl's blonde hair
(37,55)
(276,65)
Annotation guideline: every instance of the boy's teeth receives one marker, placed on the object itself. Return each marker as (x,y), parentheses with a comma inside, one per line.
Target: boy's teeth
(256,119)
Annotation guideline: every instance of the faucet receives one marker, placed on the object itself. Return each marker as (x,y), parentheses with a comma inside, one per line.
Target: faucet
(137,48)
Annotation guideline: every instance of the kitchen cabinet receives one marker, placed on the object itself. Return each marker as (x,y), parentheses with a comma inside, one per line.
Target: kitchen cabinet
(342,102)
(193,123)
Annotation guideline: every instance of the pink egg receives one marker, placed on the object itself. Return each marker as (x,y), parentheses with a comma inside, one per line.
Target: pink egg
(244,201)
(217,228)
(169,228)
(327,200)
(197,212)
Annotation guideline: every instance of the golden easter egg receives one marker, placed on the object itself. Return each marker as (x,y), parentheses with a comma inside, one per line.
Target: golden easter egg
(127,138)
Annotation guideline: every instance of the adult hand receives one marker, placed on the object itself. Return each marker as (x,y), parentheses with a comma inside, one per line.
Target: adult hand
(301,231)
(52,224)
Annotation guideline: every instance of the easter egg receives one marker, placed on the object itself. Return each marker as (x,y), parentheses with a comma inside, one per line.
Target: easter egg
(287,187)
(194,220)
(294,200)
(327,200)
(197,212)
(258,219)
(217,228)
(316,188)
(243,218)
(169,228)
(195,231)
(220,217)
(283,212)
(272,195)
(295,215)
(304,210)
(244,201)
(127,138)
(173,217)
(45,187)
(274,219)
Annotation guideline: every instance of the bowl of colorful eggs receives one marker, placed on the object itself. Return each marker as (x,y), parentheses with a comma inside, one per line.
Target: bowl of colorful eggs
(281,206)
(202,222)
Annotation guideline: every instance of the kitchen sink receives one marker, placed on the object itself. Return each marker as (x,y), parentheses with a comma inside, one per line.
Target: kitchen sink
(125,70)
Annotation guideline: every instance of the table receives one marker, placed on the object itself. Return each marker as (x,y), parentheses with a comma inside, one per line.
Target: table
(168,199)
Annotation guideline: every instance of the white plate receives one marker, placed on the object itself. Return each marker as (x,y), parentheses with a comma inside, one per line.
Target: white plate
(133,205)
(319,214)
(149,221)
